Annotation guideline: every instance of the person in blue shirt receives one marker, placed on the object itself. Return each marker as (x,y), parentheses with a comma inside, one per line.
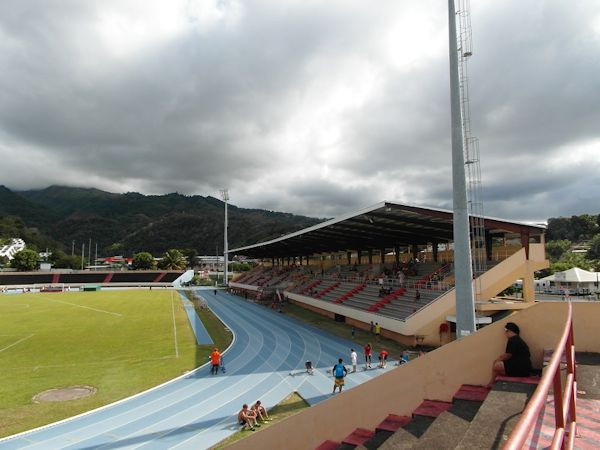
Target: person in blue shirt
(339,373)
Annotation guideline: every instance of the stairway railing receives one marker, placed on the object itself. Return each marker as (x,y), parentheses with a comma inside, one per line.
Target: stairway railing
(564,398)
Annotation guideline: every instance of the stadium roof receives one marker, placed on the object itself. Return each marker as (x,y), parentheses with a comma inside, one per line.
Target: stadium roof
(383,225)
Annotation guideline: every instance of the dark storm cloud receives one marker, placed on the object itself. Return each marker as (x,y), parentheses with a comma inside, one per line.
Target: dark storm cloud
(300,106)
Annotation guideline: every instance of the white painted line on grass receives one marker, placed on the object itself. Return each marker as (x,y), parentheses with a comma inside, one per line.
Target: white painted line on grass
(174,326)
(15,343)
(85,307)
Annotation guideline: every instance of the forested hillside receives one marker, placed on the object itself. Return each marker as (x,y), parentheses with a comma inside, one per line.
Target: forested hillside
(132,222)
(574,242)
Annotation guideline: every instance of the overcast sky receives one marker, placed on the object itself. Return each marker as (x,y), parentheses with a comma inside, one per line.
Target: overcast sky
(312,107)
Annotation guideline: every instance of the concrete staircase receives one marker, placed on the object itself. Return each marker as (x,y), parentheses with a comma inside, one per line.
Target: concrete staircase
(477,418)
(480,418)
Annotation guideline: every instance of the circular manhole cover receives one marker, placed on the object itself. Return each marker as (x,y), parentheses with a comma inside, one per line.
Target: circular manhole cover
(64,394)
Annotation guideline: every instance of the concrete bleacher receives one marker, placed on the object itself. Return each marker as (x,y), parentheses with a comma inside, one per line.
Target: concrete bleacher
(359,286)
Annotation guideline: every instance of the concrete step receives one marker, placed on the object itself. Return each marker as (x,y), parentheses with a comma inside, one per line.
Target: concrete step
(498,415)
(450,426)
(385,430)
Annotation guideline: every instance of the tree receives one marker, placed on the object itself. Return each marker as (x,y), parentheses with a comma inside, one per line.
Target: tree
(25,260)
(143,261)
(557,248)
(115,248)
(61,260)
(594,250)
(172,259)
(192,256)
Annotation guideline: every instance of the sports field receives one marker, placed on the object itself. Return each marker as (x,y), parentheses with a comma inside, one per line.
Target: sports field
(119,342)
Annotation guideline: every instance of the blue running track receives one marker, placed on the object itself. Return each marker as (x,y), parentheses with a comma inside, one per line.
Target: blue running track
(195,411)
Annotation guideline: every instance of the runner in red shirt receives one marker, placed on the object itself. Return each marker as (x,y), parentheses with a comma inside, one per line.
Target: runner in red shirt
(367,351)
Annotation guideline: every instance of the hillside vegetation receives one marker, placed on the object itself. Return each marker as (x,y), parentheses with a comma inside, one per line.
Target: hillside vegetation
(573,242)
(129,223)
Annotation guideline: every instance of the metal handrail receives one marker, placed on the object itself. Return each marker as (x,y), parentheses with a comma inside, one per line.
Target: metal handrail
(564,400)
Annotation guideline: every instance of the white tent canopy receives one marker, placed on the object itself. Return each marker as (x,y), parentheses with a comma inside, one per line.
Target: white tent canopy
(574,275)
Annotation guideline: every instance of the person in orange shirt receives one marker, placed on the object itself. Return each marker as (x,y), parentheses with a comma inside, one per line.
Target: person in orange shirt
(215,360)
(383,355)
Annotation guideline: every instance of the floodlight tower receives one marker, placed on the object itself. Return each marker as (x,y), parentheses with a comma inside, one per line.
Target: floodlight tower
(463,270)
(225,197)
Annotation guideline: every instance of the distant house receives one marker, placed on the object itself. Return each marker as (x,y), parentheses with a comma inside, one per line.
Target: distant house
(573,281)
(113,262)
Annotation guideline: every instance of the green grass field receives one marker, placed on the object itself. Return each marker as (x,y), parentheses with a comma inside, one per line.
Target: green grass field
(120,342)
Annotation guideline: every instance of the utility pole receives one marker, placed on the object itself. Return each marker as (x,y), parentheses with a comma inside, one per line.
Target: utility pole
(73,248)
(82,254)
(90,253)
(463,270)
(225,197)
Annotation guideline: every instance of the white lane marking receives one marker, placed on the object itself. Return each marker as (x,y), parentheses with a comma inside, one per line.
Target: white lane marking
(85,307)
(174,326)
(18,342)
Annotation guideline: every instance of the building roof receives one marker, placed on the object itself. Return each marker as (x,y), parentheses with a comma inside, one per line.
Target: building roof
(383,225)
(573,275)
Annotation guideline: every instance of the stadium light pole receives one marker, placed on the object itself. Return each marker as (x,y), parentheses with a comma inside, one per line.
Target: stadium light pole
(463,270)
(225,197)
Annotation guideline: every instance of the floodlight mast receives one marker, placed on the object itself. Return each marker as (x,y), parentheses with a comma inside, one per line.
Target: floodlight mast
(463,271)
(225,197)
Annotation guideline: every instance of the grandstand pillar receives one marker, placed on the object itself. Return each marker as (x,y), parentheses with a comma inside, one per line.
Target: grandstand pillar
(463,269)
(349,256)
(370,256)
(488,245)
(307,260)
(525,241)
(272,261)
(397,254)
(382,257)
(415,251)
(528,285)
(434,250)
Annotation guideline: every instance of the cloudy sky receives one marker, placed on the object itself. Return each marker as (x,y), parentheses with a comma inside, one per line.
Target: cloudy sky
(304,106)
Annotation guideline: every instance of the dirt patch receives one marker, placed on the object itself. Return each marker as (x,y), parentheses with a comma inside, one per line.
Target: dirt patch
(64,394)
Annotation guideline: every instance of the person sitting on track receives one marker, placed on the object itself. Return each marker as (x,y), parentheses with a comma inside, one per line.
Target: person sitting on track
(260,411)
(247,418)
(309,367)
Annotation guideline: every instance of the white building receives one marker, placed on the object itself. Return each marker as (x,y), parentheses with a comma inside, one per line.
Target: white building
(573,281)
(14,247)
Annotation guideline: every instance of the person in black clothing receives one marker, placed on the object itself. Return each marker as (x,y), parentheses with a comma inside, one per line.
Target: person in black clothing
(516,359)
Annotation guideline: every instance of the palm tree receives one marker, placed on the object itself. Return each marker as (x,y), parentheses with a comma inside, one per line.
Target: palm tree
(173,259)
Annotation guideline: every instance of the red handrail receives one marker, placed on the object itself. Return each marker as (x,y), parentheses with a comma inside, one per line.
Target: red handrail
(564,400)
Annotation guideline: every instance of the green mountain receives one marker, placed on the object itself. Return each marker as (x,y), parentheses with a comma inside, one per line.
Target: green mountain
(137,222)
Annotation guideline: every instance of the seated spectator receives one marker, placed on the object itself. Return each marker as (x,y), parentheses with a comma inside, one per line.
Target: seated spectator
(309,367)
(260,411)
(247,418)
(516,359)
(403,358)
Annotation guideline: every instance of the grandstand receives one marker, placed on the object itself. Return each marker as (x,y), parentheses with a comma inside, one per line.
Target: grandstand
(392,263)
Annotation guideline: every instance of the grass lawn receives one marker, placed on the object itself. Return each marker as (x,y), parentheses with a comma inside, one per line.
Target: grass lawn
(345,331)
(120,342)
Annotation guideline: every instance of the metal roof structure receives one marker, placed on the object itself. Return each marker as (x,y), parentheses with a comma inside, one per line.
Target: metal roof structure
(384,225)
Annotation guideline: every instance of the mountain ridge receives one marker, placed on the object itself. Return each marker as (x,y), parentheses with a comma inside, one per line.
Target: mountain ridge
(137,222)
